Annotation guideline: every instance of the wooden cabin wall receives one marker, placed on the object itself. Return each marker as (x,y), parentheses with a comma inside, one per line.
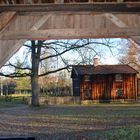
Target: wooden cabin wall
(103,87)
(130,87)
(86,87)
(100,87)
(76,86)
(99,90)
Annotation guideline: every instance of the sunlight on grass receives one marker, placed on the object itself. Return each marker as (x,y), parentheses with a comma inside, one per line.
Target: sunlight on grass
(20,95)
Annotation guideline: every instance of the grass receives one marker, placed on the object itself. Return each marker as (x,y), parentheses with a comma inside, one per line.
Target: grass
(99,122)
(71,122)
(12,100)
(20,95)
(130,133)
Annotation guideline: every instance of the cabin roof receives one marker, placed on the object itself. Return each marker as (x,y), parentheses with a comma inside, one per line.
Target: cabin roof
(102,69)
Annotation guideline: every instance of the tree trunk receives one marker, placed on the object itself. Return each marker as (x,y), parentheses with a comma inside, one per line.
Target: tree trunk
(36,51)
(35,91)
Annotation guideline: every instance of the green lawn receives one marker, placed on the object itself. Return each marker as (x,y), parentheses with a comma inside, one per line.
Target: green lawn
(10,101)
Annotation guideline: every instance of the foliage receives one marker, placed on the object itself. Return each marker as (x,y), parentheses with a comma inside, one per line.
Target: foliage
(23,83)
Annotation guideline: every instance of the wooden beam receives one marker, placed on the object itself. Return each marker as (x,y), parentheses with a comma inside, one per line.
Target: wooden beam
(136,39)
(67,1)
(40,22)
(5,18)
(115,20)
(28,2)
(72,33)
(95,7)
(59,1)
(120,0)
(90,1)
(121,24)
(12,46)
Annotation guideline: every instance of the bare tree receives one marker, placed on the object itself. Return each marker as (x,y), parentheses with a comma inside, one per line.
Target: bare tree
(131,55)
(53,53)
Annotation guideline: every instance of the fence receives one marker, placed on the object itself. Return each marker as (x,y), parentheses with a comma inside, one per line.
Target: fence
(55,100)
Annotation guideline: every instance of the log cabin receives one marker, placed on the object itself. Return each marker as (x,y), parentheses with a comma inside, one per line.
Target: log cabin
(104,82)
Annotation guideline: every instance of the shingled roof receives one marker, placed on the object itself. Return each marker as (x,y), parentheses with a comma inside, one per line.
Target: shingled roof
(103,69)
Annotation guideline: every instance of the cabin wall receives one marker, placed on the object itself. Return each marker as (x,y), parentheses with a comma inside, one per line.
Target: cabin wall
(76,86)
(100,87)
(86,91)
(104,87)
(130,86)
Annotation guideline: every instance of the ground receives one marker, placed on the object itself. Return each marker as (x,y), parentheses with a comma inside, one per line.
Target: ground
(72,122)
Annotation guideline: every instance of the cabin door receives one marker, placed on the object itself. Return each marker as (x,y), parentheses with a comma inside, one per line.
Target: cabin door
(87,91)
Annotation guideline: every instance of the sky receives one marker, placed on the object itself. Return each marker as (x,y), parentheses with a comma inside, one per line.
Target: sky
(110,56)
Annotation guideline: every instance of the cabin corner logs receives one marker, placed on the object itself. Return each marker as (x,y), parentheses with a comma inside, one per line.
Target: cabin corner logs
(105,87)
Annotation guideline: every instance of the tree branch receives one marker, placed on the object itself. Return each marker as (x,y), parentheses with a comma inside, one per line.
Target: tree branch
(54,71)
(10,64)
(70,48)
(13,75)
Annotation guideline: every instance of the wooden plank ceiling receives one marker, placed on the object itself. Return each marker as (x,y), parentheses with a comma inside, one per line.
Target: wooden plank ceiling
(21,20)
(59,1)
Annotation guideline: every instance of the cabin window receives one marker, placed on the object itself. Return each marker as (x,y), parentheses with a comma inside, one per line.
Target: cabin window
(119,93)
(119,85)
(118,77)
(87,78)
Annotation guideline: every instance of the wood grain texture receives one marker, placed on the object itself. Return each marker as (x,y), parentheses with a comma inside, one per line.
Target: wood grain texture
(96,7)
(5,18)
(103,88)
(71,34)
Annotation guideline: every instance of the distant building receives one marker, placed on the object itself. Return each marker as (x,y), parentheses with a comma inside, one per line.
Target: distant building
(104,82)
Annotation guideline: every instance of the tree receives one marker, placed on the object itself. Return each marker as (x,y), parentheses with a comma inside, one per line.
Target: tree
(9,86)
(23,84)
(131,55)
(56,55)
